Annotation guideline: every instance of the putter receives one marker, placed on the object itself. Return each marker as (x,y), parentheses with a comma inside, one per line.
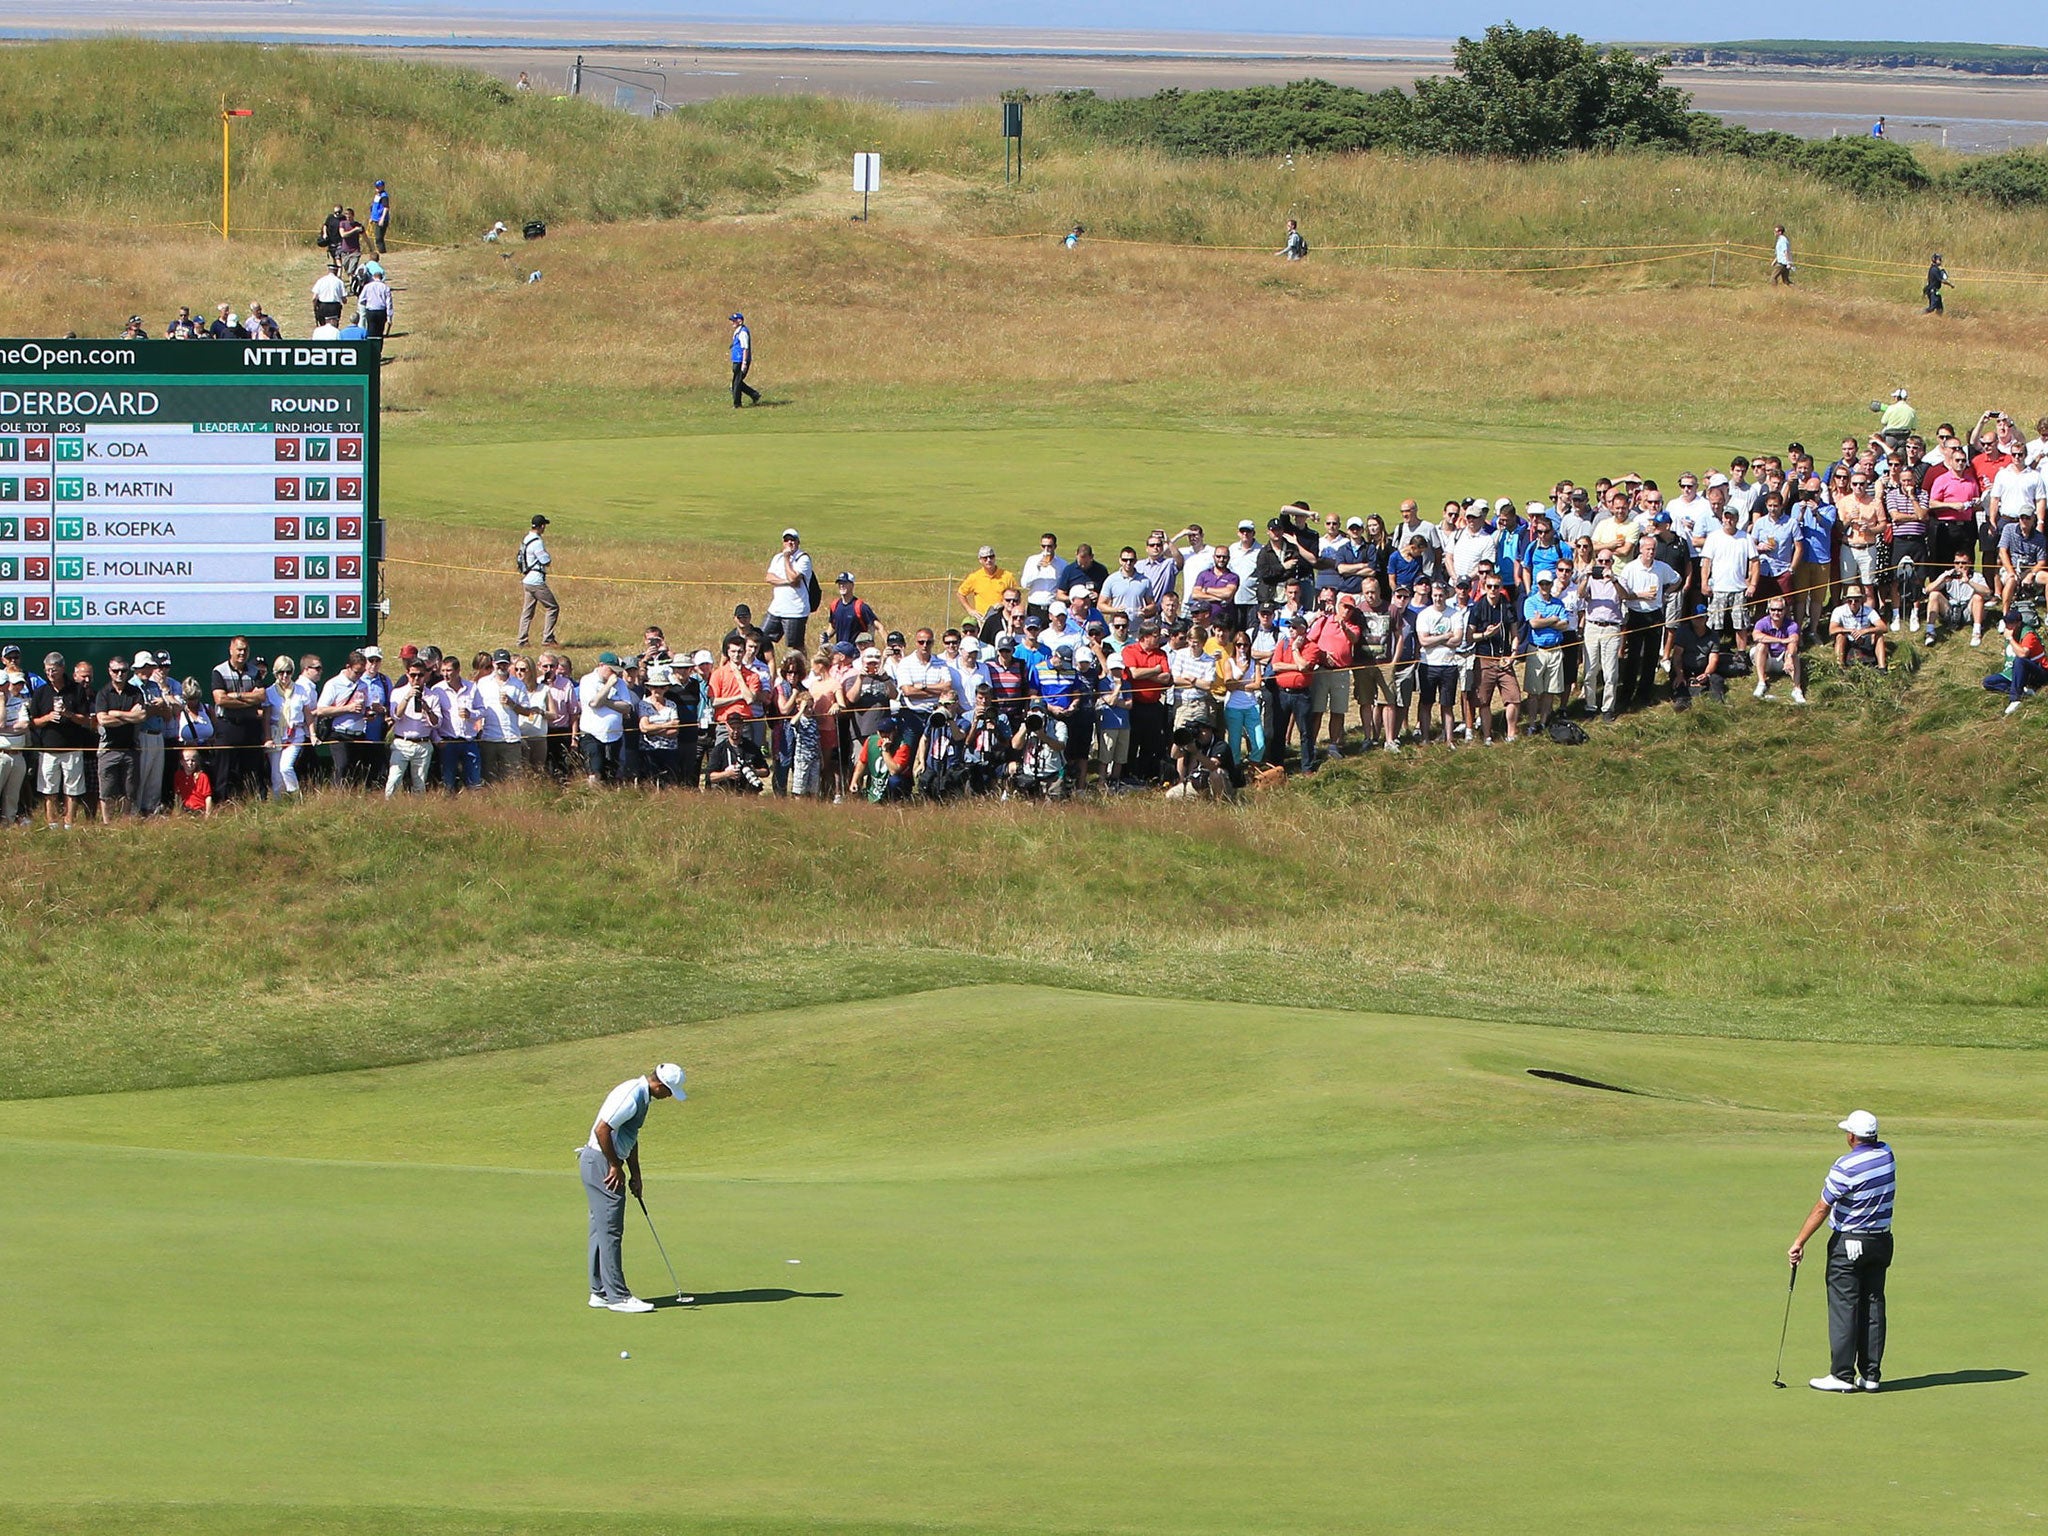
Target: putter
(1778,1375)
(672,1269)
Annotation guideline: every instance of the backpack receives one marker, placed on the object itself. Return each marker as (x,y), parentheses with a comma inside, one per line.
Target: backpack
(520,560)
(813,594)
(535,230)
(1566,733)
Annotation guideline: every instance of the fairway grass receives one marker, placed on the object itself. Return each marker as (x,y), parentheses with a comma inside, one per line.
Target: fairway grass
(1068,1262)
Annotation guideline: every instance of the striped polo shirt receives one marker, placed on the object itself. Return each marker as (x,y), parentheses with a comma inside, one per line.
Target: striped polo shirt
(1860,1188)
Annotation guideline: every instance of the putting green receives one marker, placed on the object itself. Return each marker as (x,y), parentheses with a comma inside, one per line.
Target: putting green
(929,495)
(1069,1262)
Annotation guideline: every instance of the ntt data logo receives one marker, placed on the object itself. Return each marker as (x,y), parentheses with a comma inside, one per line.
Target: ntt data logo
(36,354)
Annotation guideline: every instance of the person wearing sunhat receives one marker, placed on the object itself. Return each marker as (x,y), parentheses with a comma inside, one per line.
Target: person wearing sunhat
(742,361)
(610,1165)
(534,565)
(1856,1202)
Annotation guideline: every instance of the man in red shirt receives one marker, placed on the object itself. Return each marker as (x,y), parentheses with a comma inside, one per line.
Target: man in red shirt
(735,687)
(1952,496)
(1330,644)
(1150,674)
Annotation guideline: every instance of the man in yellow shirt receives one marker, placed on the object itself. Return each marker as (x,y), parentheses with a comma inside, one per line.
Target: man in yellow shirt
(984,586)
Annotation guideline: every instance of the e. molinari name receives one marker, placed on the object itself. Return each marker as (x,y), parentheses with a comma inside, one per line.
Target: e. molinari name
(138,568)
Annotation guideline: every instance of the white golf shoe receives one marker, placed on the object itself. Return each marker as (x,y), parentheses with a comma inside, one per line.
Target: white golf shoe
(630,1304)
(1831,1384)
(597,1300)
(1872,1384)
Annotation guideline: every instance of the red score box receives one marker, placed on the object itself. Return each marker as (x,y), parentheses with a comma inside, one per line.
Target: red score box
(287,449)
(349,450)
(35,490)
(284,606)
(34,608)
(35,529)
(348,606)
(287,488)
(285,568)
(348,527)
(348,567)
(282,528)
(349,488)
(35,568)
(36,449)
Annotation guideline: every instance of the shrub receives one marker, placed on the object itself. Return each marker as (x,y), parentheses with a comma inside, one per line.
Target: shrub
(2015,180)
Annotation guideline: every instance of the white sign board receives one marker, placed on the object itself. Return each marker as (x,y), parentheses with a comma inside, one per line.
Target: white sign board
(867,173)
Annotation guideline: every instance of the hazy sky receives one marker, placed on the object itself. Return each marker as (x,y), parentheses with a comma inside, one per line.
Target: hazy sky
(1448,18)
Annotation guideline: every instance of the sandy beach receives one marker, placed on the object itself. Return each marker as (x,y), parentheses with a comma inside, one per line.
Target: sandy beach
(631,60)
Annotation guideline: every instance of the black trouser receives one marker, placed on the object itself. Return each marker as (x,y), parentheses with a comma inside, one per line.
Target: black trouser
(1856,1304)
(740,386)
(1148,738)
(244,769)
(376,321)
(1933,301)
(1909,567)
(1641,638)
(1987,549)
(1951,538)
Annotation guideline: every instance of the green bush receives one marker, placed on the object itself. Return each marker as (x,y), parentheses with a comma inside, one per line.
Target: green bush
(1866,167)
(1254,120)
(2015,180)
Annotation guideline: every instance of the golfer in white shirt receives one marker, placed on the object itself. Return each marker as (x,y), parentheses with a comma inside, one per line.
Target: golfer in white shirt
(610,1165)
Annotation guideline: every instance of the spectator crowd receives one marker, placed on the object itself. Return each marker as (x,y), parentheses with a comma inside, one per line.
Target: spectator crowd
(1187,665)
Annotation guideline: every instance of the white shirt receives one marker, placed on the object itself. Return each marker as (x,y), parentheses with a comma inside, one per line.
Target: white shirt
(2015,489)
(1782,252)
(1646,584)
(790,602)
(1041,578)
(329,289)
(376,295)
(1728,556)
(969,679)
(914,673)
(1244,562)
(1199,559)
(1853,618)
(534,556)
(326,330)
(1431,535)
(497,698)
(1438,632)
(339,689)
(2037,450)
(1743,498)
(1193,671)
(601,701)
(1068,639)
(1471,546)
(624,1110)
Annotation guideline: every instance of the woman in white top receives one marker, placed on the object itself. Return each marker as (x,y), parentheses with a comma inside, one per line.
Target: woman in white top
(278,712)
(533,729)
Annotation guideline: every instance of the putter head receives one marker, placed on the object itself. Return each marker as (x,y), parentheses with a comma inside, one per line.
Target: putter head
(1777,1381)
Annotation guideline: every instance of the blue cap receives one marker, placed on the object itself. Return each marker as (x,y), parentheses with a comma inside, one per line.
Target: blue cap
(1699,610)
(736,316)
(377,183)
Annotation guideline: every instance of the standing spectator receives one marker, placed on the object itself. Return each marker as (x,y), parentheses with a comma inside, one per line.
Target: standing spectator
(923,683)
(374,305)
(1332,642)
(380,221)
(14,735)
(412,731)
(366,758)
(1296,247)
(1439,632)
(1729,561)
(1644,580)
(329,294)
(981,591)
(1543,674)
(742,361)
(1126,592)
(1954,494)
(1084,570)
(285,724)
(226,326)
(1781,258)
(60,718)
(348,242)
(1937,279)
(158,717)
(1491,628)
(1040,580)
(534,565)
(850,616)
(1602,601)
(457,715)
(791,585)
(1149,672)
(238,700)
(118,711)
(341,713)
(195,719)
(504,707)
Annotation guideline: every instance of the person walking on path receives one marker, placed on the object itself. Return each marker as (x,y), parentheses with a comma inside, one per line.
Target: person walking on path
(380,217)
(742,361)
(1937,279)
(610,1165)
(534,561)
(1296,247)
(1856,1201)
(1781,259)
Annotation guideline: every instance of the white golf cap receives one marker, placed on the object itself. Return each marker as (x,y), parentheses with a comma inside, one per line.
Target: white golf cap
(791,533)
(702,659)
(670,1076)
(144,659)
(1537,509)
(372,653)
(1898,394)
(1717,478)
(1861,1124)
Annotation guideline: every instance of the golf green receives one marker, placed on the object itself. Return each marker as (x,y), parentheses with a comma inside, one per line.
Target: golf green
(1067,1262)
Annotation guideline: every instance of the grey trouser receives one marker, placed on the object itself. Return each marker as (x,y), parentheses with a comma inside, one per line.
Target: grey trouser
(607,1227)
(1856,1303)
(410,763)
(1603,667)
(537,595)
(13,776)
(502,760)
(149,773)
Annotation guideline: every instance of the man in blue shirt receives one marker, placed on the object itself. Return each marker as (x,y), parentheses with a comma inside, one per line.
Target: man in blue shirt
(742,361)
(1543,668)
(1856,1200)
(610,1164)
(380,217)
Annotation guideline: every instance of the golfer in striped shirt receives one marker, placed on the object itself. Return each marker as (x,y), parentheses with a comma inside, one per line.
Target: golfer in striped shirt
(1856,1200)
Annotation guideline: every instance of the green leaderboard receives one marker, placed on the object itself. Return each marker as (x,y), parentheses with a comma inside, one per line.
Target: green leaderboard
(158,489)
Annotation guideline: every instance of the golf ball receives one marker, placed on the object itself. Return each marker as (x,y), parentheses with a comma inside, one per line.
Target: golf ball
(625,1354)
(796,1261)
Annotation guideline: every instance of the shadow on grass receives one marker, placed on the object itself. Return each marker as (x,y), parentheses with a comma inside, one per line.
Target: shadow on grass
(1949,1379)
(741,1298)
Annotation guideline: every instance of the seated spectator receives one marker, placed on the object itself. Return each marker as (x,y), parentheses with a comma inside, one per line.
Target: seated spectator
(1775,652)
(1957,591)
(2023,672)
(1696,661)
(191,786)
(1857,631)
